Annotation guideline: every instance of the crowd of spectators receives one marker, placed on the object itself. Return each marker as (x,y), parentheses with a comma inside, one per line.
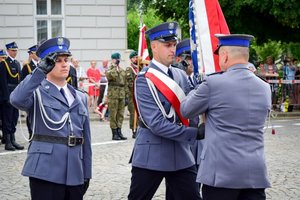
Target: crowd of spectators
(283,78)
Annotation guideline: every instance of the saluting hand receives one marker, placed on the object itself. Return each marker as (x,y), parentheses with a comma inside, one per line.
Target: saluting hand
(47,63)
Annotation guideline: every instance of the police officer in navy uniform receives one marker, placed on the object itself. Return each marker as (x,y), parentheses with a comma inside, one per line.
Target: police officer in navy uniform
(184,61)
(184,58)
(10,71)
(27,69)
(72,77)
(236,104)
(58,162)
(2,57)
(162,146)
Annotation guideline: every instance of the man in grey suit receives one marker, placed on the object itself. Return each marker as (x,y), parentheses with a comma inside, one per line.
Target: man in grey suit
(58,162)
(162,147)
(236,103)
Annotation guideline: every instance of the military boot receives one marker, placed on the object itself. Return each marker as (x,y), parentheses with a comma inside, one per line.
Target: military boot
(13,142)
(121,135)
(8,144)
(115,135)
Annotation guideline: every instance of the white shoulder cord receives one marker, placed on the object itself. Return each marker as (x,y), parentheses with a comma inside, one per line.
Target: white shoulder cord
(153,91)
(62,121)
(137,105)
(33,123)
(66,117)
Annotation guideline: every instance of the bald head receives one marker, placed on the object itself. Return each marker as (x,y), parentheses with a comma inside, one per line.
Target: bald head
(231,55)
(105,63)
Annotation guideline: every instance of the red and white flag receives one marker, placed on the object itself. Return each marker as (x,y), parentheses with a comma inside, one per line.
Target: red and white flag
(208,20)
(143,49)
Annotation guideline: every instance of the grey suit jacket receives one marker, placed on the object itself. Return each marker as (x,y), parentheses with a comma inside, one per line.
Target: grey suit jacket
(236,104)
(55,162)
(165,146)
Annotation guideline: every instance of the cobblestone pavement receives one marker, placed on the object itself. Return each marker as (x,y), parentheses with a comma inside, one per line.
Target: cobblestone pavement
(111,171)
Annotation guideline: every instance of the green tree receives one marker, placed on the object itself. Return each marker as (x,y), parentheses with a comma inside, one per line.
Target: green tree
(270,48)
(265,19)
(150,19)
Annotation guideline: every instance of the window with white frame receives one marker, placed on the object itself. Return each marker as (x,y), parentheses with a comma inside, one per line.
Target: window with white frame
(49,19)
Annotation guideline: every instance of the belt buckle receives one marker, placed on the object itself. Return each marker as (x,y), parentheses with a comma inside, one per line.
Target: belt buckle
(71,141)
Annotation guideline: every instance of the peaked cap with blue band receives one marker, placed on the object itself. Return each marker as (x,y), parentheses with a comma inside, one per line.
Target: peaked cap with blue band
(2,53)
(59,45)
(12,46)
(32,49)
(241,40)
(164,32)
(183,47)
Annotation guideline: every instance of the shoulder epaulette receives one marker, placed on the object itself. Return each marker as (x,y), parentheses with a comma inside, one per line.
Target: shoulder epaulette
(81,90)
(221,72)
(143,72)
(262,78)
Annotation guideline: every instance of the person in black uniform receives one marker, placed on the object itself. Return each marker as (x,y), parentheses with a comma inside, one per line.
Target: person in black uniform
(27,69)
(2,57)
(72,77)
(10,70)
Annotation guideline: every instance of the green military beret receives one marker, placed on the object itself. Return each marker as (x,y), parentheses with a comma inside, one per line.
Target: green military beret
(133,54)
(115,56)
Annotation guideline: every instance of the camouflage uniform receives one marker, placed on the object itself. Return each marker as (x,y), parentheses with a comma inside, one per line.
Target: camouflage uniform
(131,73)
(117,91)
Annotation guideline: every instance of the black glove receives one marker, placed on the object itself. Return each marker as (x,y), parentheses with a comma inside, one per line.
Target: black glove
(86,185)
(201,132)
(126,101)
(47,63)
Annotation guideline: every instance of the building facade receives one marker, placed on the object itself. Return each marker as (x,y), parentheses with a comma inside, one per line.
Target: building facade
(96,28)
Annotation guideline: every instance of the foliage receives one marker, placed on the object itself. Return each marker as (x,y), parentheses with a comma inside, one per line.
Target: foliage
(133,20)
(294,50)
(270,48)
(265,19)
(274,23)
(171,10)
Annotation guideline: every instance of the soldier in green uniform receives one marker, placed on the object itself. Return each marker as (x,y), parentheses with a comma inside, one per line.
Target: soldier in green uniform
(131,73)
(117,91)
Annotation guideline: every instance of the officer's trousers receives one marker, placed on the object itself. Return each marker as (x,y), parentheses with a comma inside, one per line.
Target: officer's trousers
(182,183)
(10,119)
(215,193)
(45,190)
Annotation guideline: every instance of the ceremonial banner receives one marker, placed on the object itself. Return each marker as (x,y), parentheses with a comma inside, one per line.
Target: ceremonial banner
(143,49)
(205,19)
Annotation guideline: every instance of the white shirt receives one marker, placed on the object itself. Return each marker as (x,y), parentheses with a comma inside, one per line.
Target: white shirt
(161,66)
(70,98)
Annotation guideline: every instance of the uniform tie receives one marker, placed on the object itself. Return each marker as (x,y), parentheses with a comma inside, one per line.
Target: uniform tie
(170,73)
(62,91)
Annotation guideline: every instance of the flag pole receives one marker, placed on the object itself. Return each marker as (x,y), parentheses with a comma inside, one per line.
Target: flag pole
(138,69)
